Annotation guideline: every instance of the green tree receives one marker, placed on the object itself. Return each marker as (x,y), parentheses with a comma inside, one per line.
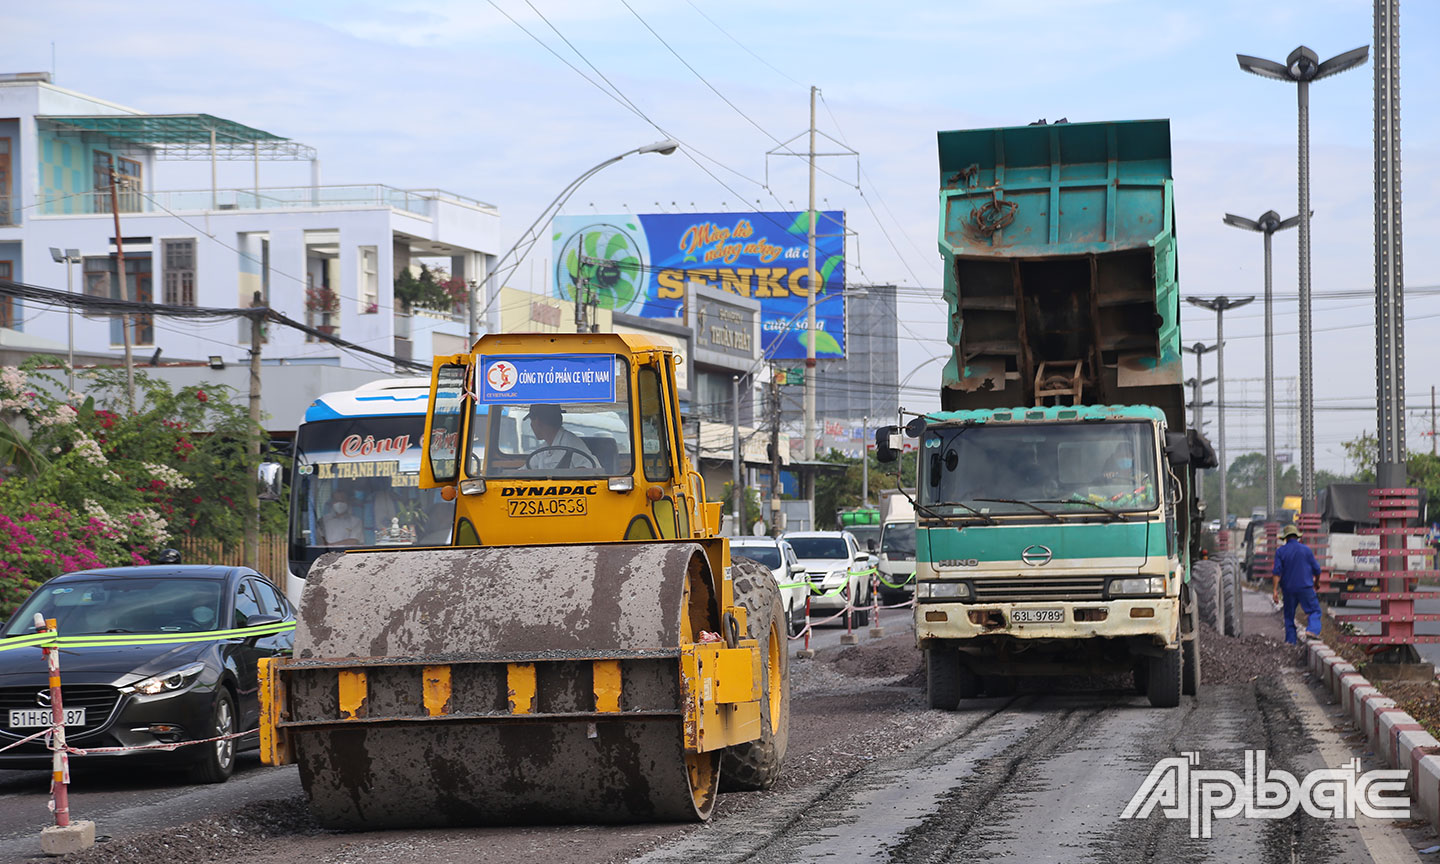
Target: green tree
(96,486)
(1422,469)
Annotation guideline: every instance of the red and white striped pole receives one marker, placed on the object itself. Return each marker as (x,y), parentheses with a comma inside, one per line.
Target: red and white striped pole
(849,637)
(60,767)
(805,653)
(876,631)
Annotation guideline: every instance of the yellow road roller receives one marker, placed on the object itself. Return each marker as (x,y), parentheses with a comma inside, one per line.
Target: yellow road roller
(583,650)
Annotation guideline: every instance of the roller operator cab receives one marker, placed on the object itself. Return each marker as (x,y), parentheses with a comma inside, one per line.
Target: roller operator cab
(1056,516)
(582,649)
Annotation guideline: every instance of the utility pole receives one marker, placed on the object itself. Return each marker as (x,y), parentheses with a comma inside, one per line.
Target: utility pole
(1218,306)
(737,494)
(252,495)
(124,295)
(1432,420)
(581,288)
(864,462)
(813,282)
(774,453)
(1389,264)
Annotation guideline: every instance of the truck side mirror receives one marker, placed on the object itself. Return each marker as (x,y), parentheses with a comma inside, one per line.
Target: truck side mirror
(1177,449)
(887,444)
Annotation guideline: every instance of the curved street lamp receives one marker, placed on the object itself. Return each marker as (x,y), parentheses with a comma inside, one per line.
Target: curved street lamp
(1267,224)
(1301,67)
(531,235)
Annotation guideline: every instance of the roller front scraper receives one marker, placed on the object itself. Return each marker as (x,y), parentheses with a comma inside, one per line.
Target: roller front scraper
(584,650)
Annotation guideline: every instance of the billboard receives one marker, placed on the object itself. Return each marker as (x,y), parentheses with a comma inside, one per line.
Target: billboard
(646,264)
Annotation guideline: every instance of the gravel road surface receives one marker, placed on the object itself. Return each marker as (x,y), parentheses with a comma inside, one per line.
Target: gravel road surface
(872,775)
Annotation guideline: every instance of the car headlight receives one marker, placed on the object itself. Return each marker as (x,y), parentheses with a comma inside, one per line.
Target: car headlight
(1137,587)
(167,682)
(839,573)
(942,591)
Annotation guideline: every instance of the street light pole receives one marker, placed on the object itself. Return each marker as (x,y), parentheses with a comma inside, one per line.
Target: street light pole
(1301,67)
(69,257)
(1218,306)
(531,235)
(1267,224)
(811,281)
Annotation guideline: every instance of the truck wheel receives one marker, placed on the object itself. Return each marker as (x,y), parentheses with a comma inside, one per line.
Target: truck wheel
(1190,654)
(1205,585)
(1232,602)
(756,764)
(1140,672)
(947,679)
(1163,688)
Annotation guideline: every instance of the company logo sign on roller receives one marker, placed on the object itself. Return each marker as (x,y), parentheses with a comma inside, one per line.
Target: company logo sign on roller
(501,376)
(527,379)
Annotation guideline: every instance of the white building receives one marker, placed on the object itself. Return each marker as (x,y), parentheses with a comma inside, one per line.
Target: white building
(323,255)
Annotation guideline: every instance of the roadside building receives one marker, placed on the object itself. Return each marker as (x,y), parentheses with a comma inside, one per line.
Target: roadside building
(337,258)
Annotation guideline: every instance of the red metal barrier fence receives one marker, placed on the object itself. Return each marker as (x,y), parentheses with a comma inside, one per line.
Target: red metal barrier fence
(1392,508)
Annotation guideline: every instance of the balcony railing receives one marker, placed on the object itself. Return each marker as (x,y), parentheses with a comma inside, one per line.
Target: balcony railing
(417,201)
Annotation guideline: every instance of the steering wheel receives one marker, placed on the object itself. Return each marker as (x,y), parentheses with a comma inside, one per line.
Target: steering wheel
(529,461)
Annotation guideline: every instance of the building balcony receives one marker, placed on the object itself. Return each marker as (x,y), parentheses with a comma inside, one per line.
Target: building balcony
(418,202)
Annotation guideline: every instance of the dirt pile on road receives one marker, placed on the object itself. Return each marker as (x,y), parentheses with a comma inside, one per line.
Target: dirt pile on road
(220,838)
(889,657)
(1237,660)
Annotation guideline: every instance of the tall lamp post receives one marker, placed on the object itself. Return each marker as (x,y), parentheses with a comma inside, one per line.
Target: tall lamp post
(69,257)
(1218,306)
(1267,224)
(527,240)
(1302,67)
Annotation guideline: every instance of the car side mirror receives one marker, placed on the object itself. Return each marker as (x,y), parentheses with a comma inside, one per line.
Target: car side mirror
(262,620)
(269,477)
(797,568)
(887,444)
(1177,449)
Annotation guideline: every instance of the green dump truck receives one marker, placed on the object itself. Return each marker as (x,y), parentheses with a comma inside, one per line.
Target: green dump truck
(1056,517)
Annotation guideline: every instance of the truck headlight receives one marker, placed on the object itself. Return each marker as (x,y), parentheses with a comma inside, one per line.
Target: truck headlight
(1142,586)
(942,591)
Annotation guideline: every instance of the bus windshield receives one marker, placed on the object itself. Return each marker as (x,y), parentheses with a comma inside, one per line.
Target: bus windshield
(357,483)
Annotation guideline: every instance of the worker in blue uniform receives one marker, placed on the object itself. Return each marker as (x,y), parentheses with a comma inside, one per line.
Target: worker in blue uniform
(1295,572)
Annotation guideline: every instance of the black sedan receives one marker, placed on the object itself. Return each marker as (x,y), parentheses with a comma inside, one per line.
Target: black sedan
(127,695)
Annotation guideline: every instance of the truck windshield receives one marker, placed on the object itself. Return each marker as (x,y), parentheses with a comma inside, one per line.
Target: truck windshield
(898,539)
(537,440)
(1110,465)
(357,483)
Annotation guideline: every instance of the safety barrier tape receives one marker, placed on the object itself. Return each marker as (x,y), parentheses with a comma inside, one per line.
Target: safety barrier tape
(42,733)
(112,640)
(90,751)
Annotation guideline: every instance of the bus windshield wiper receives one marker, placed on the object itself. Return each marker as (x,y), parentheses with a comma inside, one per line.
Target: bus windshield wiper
(1042,510)
(1087,502)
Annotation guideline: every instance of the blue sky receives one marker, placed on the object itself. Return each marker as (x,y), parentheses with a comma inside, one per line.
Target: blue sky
(450,93)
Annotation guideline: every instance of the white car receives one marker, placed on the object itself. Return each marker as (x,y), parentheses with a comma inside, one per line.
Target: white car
(838,569)
(785,566)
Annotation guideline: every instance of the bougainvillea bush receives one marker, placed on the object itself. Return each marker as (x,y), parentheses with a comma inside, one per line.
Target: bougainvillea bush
(84,482)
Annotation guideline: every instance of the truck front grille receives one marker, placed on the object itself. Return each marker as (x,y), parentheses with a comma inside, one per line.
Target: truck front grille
(1068,588)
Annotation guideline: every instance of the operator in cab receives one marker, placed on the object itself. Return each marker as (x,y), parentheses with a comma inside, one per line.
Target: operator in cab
(560,448)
